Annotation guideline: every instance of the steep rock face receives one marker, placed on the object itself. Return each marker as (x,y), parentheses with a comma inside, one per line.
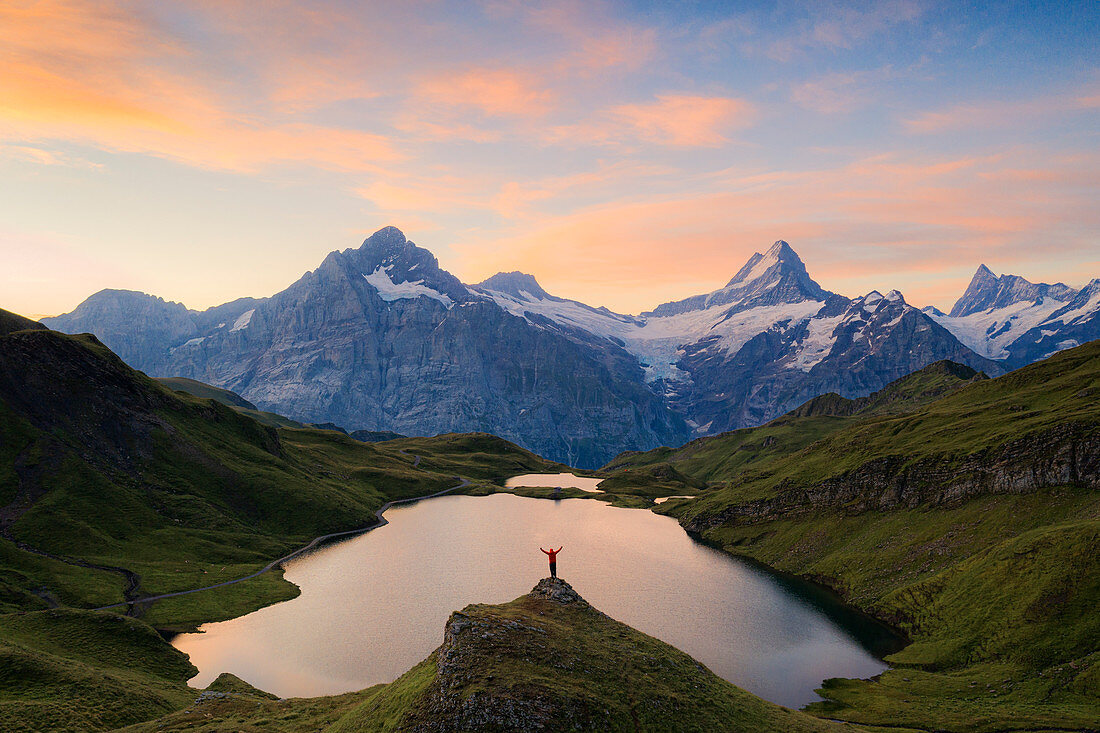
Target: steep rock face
(144,329)
(1075,323)
(112,314)
(379,338)
(850,347)
(760,346)
(775,277)
(990,292)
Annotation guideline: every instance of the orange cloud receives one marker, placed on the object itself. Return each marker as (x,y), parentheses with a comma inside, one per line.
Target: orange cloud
(493,92)
(90,73)
(686,120)
(881,222)
(678,120)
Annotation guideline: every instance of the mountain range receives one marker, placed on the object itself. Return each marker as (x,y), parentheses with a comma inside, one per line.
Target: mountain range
(1018,322)
(381,338)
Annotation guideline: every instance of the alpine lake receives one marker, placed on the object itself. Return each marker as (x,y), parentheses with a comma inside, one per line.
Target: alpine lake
(373,606)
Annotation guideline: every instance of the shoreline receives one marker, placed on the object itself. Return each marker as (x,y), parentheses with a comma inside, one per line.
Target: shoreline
(314,543)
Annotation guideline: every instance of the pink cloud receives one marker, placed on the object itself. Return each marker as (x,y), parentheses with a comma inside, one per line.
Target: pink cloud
(885,221)
(493,92)
(998,113)
(677,120)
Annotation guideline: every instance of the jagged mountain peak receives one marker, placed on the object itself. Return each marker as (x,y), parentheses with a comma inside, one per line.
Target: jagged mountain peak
(988,291)
(875,300)
(514,283)
(770,264)
(397,269)
(776,276)
(388,237)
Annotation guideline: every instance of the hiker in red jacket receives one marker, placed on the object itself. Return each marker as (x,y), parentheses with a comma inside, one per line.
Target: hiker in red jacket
(553,555)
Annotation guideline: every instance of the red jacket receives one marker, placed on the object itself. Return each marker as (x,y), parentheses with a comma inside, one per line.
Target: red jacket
(552,553)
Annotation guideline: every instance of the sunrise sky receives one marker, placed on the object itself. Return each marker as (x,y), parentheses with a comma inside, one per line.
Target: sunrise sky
(624,153)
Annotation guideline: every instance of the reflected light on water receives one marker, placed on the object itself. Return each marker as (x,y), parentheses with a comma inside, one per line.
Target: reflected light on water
(562,480)
(374,606)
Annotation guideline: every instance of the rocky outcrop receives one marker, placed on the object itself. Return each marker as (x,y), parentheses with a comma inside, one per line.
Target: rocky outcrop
(1067,455)
(548,661)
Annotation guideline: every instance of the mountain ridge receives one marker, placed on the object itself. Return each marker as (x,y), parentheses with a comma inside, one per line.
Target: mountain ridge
(380,338)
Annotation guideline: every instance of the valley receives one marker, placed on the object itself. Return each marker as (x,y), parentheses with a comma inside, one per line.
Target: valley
(940,488)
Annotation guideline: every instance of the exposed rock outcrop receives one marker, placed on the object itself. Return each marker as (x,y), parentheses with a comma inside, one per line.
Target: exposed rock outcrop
(1067,455)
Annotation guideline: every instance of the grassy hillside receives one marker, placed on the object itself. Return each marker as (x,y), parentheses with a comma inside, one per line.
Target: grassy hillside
(206,391)
(725,457)
(114,487)
(11,322)
(82,670)
(102,466)
(970,521)
(546,661)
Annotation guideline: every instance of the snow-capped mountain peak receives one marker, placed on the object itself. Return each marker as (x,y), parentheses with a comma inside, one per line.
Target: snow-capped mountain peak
(1010,318)
(987,292)
(775,277)
(399,270)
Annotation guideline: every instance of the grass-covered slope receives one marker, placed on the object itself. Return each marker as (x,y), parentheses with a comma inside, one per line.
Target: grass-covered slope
(11,322)
(117,480)
(115,487)
(971,522)
(547,661)
(727,456)
(206,391)
(82,670)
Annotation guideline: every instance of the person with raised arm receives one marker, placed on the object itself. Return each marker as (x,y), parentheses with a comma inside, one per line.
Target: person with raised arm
(553,555)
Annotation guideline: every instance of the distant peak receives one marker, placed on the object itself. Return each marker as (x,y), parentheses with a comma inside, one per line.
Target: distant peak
(988,292)
(894,296)
(872,297)
(780,249)
(779,254)
(388,237)
(514,283)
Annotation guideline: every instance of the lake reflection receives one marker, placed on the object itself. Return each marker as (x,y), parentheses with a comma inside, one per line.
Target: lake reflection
(373,606)
(561,480)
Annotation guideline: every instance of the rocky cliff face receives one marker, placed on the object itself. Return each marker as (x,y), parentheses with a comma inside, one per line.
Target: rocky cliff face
(380,338)
(852,347)
(1067,455)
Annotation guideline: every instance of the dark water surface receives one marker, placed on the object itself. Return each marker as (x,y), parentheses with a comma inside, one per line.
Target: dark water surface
(373,606)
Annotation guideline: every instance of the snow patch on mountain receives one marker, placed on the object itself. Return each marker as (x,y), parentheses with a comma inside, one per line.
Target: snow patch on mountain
(242,321)
(1086,310)
(599,321)
(816,344)
(657,341)
(390,291)
(992,331)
